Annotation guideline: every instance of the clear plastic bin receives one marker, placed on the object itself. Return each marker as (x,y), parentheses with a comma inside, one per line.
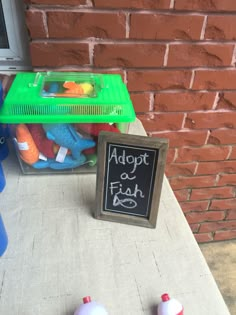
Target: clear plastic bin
(55,118)
(59,148)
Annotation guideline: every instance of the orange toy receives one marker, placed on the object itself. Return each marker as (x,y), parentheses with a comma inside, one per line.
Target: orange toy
(73,88)
(28,150)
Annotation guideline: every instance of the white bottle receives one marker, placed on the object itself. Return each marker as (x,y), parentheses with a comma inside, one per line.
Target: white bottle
(169,306)
(90,308)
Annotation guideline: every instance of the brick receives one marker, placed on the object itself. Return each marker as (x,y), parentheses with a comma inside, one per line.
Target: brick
(56,2)
(205,5)
(184,138)
(212,193)
(155,122)
(221,27)
(182,169)
(205,168)
(217,226)
(200,55)
(181,195)
(224,235)
(194,227)
(222,136)
(233,153)
(146,26)
(231,215)
(158,80)
(223,204)
(203,237)
(170,155)
(214,80)
(192,182)
(134,4)
(67,24)
(199,217)
(140,102)
(227,179)
(198,206)
(206,153)
(35,24)
(99,71)
(213,120)
(129,55)
(59,54)
(178,102)
(109,71)
(227,100)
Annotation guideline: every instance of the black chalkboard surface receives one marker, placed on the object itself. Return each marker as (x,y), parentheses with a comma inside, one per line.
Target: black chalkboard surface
(129,178)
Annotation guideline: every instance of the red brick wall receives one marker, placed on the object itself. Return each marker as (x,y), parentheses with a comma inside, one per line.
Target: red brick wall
(178,60)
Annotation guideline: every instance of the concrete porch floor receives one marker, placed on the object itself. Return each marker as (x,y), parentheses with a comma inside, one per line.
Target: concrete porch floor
(221,259)
(220,256)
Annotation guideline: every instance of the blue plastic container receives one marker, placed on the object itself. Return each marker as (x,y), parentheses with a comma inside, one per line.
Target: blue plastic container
(3,133)
(4,151)
(3,154)
(2,178)
(3,237)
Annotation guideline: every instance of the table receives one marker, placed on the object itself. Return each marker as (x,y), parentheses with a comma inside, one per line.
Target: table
(58,253)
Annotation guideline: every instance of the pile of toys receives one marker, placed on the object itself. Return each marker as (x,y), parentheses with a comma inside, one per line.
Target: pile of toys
(59,146)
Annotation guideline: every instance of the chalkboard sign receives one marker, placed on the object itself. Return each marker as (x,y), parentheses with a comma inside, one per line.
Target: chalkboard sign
(129,178)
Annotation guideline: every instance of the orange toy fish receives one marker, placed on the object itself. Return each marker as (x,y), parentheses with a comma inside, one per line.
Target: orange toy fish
(73,88)
(29,153)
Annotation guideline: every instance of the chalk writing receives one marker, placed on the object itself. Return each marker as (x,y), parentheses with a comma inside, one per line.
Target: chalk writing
(118,192)
(129,159)
(129,179)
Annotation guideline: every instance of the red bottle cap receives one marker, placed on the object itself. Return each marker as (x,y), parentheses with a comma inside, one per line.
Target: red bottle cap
(165,297)
(86,299)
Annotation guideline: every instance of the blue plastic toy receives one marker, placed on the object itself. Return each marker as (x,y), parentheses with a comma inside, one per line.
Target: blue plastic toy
(3,237)
(2,178)
(66,136)
(66,164)
(4,151)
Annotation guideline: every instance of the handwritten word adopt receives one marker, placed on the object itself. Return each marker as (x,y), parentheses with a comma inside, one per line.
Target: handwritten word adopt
(126,190)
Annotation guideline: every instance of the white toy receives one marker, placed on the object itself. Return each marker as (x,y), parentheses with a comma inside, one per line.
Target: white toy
(169,306)
(90,308)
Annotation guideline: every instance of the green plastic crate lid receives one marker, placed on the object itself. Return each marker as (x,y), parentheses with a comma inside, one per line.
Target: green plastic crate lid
(67,97)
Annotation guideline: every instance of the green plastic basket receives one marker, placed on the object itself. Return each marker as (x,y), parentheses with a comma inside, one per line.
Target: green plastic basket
(31,99)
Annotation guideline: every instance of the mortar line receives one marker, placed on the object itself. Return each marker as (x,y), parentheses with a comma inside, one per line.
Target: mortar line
(233,61)
(230,151)
(125,77)
(216,100)
(91,53)
(45,24)
(175,155)
(184,120)
(166,55)
(204,24)
(192,79)
(172,4)
(151,102)
(127,25)
(207,137)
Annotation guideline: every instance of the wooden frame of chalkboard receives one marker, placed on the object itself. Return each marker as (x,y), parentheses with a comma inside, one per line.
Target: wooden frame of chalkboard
(129,178)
